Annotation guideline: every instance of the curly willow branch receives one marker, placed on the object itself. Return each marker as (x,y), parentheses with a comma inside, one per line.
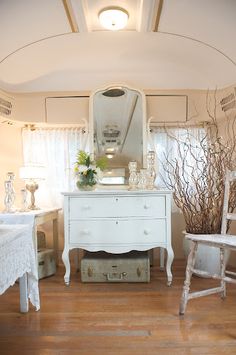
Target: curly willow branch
(197,177)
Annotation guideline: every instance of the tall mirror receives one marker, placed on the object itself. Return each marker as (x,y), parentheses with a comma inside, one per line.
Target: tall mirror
(118,129)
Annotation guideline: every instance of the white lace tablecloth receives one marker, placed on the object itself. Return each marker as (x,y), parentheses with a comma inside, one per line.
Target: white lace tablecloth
(19,218)
(17,257)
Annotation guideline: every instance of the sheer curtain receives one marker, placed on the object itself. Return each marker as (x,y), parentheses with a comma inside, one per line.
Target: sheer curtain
(56,150)
(165,142)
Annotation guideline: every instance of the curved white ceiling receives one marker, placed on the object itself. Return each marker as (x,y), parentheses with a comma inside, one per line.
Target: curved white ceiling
(193,48)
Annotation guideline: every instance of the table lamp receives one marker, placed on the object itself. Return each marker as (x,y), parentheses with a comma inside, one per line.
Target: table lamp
(31,174)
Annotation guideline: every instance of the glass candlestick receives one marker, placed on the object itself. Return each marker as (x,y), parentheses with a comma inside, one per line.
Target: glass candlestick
(9,198)
(23,200)
(10,178)
(151,172)
(133,177)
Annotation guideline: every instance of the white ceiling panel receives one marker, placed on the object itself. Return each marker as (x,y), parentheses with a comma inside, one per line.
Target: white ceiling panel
(210,21)
(194,46)
(69,63)
(26,21)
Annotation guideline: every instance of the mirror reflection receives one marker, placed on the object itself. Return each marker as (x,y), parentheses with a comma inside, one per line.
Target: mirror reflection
(118,124)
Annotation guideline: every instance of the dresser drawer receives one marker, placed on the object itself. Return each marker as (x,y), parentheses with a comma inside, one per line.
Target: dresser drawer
(117,231)
(136,206)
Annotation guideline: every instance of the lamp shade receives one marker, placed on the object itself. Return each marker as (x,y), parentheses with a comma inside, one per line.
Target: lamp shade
(32,172)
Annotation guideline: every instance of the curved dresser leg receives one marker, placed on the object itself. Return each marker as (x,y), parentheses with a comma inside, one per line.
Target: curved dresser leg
(66,261)
(162,259)
(170,258)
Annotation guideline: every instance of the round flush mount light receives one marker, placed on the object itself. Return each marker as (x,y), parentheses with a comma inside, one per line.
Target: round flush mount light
(113,18)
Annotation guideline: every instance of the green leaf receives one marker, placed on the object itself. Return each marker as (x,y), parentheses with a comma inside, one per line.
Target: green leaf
(102,163)
(81,157)
(87,162)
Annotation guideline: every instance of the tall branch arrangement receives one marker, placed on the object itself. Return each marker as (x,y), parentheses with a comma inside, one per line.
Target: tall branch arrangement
(197,177)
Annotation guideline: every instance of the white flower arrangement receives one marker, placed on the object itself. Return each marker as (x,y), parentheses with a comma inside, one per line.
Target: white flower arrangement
(87,170)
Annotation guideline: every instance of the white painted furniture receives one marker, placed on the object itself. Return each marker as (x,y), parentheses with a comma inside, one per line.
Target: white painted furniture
(225,242)
(35,218)
(17,260)
(117,222)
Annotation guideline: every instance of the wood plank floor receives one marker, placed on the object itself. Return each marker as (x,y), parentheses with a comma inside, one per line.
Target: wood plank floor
(119,318)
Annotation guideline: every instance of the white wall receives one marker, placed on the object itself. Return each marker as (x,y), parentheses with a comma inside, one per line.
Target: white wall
(31,108)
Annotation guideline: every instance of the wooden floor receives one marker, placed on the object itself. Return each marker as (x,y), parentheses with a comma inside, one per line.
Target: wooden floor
(119,318)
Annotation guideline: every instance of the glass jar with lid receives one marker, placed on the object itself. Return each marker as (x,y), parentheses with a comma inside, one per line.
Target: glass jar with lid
(133,176)
(142,183)
(151,172)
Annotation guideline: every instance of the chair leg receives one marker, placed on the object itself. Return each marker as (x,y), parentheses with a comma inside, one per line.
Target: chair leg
(187,282)
(222,271)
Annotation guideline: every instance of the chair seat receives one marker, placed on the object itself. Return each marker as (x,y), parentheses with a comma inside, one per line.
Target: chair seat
(225,240)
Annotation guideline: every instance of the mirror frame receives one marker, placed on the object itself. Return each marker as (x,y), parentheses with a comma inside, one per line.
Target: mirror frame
(144,116)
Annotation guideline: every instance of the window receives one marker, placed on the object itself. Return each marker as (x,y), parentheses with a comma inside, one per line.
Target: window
(173,144)
(55,149)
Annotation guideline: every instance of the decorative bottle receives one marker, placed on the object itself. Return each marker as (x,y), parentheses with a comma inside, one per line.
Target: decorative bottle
(133,177)
(151,172)
(23,200)
(9,198)
(142,179)
(11,177)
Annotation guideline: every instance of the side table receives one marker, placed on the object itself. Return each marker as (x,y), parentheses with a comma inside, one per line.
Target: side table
(35,218)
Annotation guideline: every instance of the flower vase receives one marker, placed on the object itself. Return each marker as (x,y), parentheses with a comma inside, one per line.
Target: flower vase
(86,187)
(86,182)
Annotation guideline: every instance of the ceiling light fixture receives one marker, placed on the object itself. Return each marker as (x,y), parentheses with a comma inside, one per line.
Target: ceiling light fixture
(113,18)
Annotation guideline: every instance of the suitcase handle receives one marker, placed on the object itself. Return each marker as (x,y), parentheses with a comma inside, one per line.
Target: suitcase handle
(115,276)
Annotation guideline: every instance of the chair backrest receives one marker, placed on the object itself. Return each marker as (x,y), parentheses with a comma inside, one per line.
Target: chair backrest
(226,216)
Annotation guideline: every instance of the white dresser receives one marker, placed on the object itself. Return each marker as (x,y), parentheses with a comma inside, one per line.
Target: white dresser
(117,222)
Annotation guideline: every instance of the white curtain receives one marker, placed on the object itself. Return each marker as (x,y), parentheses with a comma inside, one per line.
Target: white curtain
(164,141)
(56,150)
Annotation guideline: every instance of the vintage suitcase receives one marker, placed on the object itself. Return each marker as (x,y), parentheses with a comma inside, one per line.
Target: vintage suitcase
(46,263)
(105,267)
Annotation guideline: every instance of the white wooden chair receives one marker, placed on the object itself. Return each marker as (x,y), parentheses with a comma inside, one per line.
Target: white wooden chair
(222,241)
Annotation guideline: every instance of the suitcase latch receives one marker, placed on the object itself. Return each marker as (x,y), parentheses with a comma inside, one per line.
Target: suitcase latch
(139,272)
(90,272)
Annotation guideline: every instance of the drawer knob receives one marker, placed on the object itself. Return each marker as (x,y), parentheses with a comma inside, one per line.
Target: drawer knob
(146,231)
(85,232)
(86,207)
(147,206)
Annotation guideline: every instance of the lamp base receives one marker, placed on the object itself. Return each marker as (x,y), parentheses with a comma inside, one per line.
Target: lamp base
(32,187)
(33,208)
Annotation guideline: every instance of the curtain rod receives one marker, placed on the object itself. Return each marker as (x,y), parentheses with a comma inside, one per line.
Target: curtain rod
(177,124)
(33,127)
(36,126)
